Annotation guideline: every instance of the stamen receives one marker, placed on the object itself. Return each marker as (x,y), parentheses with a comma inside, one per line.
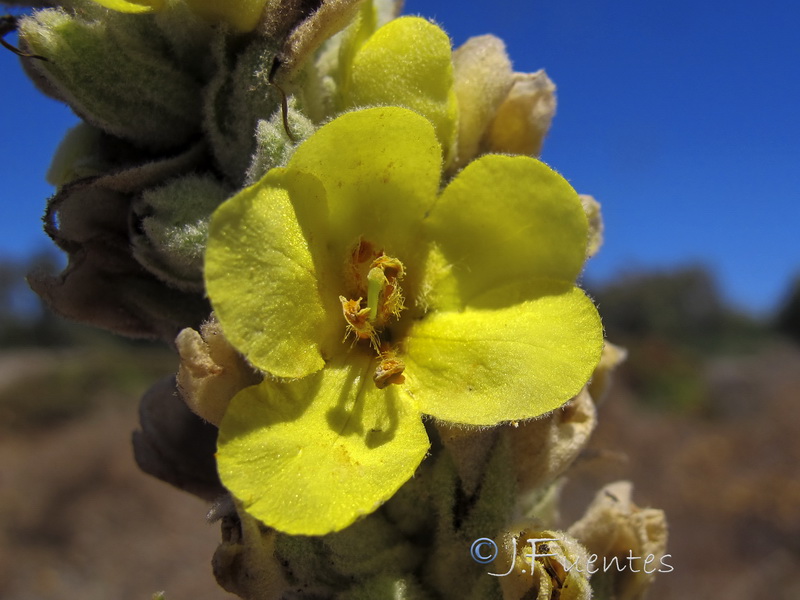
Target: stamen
(357,319)
(389,371)
(384,296)
(384,301)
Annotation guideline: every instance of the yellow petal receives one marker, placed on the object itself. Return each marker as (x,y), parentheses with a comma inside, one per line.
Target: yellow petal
(311,456)
(261,277)
(505,219)
(380,168)
(132,6)
(481,367)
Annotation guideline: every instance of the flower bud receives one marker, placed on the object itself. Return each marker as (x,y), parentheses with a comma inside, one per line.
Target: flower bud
(541,564)
(483,78)
(524,117)
(615,528)
(595,217)
(114,74)
(211,371)
(544,448)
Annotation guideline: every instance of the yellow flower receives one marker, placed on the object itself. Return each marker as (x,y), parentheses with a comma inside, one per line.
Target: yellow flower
(372,299)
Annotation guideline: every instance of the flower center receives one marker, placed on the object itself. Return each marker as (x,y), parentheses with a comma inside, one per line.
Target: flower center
(377,276)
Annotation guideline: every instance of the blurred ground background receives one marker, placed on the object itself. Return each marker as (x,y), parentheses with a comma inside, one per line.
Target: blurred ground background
(703,418)
(77,517)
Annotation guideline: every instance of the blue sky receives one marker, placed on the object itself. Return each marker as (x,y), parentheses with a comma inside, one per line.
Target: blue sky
(680,117)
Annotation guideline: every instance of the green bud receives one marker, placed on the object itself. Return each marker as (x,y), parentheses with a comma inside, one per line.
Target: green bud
(273,145)
(115,74)
(173,227)
(78,155)
(237,98)
(187,36)
(103,285)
